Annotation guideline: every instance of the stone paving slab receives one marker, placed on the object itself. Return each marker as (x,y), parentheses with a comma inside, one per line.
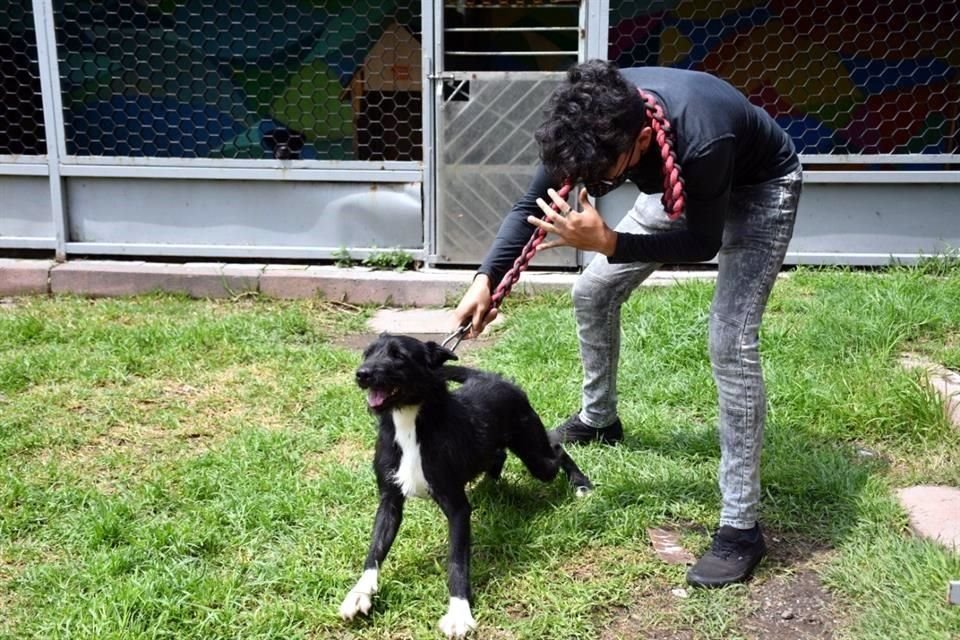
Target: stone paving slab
(666,544)
(423,324)
(945,382)
(416,321)
(24,277)
(934,513)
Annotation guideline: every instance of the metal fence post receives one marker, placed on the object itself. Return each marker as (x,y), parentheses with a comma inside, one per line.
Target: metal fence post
(428,125)
(597,29)
(53,118)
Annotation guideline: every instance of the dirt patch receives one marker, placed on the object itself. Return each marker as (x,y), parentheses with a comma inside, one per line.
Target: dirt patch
(791,606)
(913,468)
(788,600)
(499,634)
(10,569)
(209,410)
(652,616)
(652,612)
(590,563)
(8,605)
(347,452)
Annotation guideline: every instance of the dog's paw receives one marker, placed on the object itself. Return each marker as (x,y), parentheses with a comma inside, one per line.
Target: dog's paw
(359,598)
(355,602)
(458,621)
(582,491)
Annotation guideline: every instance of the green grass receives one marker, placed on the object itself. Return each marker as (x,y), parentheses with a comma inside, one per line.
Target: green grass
(172,468)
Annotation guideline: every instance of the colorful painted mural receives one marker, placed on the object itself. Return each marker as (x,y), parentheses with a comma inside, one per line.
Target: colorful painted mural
(841,77)
(229,78)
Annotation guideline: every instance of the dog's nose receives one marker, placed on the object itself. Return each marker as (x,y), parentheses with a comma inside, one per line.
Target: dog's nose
(364,374)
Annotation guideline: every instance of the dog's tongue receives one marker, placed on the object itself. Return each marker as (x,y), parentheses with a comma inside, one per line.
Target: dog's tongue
(376,397)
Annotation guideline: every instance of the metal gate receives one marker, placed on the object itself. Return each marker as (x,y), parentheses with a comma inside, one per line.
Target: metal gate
(487,158)
(497,65)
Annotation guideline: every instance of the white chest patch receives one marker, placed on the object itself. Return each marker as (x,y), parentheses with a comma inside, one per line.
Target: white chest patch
(409,476)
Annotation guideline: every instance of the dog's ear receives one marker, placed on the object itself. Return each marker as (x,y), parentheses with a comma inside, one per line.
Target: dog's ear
(437,355)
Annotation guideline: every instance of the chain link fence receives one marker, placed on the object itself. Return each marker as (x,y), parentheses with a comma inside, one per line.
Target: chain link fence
(287,79)
(21,107)
(840,77)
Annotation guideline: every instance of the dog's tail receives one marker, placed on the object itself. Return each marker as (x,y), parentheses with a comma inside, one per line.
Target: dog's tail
(455,373)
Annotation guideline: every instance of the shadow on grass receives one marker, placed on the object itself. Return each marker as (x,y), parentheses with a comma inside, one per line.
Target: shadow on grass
(503,542)
(811,488)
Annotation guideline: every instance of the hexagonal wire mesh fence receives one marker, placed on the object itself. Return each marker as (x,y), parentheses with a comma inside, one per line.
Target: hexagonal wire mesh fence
(841,77)
(287,79)
(341,81)
(21,107)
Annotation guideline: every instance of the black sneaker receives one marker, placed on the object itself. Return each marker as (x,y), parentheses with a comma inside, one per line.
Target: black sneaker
(732,557)
(576,430)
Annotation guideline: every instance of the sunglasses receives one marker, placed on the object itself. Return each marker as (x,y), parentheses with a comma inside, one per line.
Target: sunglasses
(603,186)
(600,188)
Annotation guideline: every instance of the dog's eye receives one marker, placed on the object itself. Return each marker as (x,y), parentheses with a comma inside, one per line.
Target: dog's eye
(394,353)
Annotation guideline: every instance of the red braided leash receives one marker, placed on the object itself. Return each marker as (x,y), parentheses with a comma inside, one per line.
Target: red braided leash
(674,201)
(526,255)
(513,274)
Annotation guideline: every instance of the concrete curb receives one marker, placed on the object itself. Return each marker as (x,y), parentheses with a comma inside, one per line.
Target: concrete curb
(198,280)
(24,277)
(426,288)
(360,285)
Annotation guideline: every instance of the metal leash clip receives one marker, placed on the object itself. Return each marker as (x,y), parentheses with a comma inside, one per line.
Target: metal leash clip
(457,337)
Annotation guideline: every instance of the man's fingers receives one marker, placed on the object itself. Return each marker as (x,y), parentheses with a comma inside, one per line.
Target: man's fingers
(557,200)
(478,320)
(491,316)
(548,211)
(584,199)
(543,224)
(551,244)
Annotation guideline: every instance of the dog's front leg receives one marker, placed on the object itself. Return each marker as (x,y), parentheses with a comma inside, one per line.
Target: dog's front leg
(385,527)
(458,620)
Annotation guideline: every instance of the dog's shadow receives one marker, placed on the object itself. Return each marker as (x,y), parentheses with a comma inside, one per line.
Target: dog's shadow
(503,540)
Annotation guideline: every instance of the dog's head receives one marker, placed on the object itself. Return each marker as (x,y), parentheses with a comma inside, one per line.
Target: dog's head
(400,371)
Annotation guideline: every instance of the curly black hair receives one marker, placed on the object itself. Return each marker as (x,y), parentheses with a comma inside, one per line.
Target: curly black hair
(591,119)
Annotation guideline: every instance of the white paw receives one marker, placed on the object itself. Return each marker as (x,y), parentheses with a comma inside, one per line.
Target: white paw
(583,492)
(458,621)
(358,600)
(355,602)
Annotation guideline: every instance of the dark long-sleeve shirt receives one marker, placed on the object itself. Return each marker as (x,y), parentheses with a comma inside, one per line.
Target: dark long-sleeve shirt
(722,141)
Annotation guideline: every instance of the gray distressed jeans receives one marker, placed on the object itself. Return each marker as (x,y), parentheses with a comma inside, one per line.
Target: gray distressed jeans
(758,228)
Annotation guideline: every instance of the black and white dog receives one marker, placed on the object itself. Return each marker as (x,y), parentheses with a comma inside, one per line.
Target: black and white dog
(432,442)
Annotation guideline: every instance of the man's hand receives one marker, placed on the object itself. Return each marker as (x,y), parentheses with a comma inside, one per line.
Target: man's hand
(475,307)
(584,229)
